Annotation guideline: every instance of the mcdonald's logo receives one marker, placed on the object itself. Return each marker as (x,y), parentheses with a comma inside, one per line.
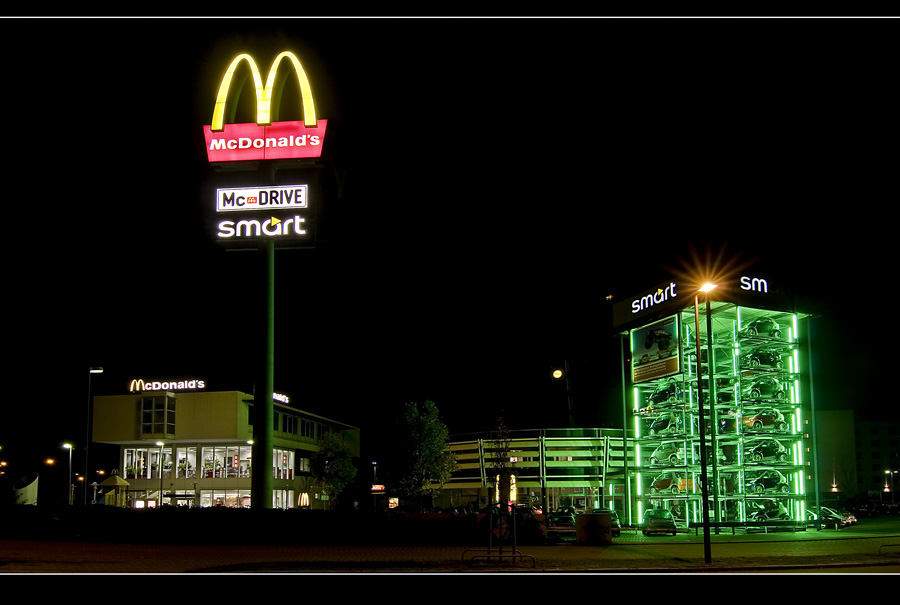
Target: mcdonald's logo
(139,385)
(264,140)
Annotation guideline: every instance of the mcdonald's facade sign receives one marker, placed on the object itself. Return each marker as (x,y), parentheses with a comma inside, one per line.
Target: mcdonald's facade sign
(264,140)
(139,385)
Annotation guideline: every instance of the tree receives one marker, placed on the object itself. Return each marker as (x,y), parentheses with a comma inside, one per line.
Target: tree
(500,463)
(332,466)
(420,453)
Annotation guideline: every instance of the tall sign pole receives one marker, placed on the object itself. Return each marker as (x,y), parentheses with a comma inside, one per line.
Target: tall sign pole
(264,216)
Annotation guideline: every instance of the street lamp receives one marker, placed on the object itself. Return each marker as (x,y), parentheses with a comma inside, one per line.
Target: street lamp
(87,430)
(71,485)
(704,487)
(891,475)
(159,469)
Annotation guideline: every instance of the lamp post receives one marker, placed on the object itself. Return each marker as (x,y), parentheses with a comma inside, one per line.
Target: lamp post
(87,430)
(159,469)
(704,487)
(71,486)
(891,475)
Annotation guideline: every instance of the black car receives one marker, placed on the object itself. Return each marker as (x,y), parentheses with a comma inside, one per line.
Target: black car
(768,481)
(829,517)
(765,387)
(766,449)
(563,517)
(666,394)
(764,357)
(616,527)
(764,326)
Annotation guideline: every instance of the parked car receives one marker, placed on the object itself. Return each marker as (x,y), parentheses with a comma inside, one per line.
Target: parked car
(764,326)
(616,526)
(766,419)
(658,521)
(864,508)
(764,387)
(672,483)
(666,424)
(563,517)
(670,453)
(766,448)
(768,481)
(764,356)
(829,517)
(771,510)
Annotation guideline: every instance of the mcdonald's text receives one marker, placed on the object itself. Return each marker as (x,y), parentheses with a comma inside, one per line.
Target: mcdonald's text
(277,141)
(139,384)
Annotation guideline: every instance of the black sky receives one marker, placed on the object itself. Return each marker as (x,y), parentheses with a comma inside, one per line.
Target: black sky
(500,178)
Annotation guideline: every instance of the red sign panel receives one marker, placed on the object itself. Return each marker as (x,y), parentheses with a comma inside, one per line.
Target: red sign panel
(278,141)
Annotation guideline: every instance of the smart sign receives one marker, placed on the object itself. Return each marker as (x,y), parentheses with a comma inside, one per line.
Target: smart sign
(264,140)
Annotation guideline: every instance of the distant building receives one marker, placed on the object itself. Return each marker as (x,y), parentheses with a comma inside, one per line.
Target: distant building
(205,454)
(878,458)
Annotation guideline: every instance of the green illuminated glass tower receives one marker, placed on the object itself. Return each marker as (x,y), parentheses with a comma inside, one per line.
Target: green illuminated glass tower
(747,362)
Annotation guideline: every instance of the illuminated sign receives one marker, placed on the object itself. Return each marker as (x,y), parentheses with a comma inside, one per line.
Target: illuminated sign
(660,296)
(754,284)
(264,140)
(255,229)
(377,488)
(282,197)
(281,397)
(655,351)
(139,384)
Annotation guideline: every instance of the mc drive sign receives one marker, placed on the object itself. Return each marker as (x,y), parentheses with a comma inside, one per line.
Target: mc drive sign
(282,197)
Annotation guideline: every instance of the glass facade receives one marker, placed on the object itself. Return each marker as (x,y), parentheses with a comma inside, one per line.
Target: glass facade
(746,366)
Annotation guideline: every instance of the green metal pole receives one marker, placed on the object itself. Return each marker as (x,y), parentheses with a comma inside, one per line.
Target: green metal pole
(264,415)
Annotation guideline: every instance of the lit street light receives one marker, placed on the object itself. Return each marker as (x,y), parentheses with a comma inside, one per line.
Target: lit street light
(704,484)
(71,485)
(87,433)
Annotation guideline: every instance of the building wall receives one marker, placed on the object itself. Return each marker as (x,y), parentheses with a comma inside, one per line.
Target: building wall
(199,416)
(205,421)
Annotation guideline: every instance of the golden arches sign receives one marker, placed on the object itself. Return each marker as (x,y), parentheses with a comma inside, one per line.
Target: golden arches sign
(265,139)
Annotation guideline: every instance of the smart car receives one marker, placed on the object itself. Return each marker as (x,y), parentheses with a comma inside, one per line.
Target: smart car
(668,453)
(765,387)
(770,358)
(666,424)
(766,449)
(673,483)
(764,326)
(766,419)
(658,521)
(768,481)
(668,393)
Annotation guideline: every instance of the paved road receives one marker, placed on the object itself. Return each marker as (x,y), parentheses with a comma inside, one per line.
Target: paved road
(853,550)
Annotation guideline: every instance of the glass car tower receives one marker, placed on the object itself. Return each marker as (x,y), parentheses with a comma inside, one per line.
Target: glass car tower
(753,372)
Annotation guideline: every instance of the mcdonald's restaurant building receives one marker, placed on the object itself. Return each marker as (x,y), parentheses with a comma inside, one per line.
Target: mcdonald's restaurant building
(181,445)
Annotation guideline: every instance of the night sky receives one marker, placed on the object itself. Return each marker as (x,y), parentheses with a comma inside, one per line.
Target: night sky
(500,178)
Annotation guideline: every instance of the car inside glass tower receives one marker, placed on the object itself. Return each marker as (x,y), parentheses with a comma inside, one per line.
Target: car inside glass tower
(752,373)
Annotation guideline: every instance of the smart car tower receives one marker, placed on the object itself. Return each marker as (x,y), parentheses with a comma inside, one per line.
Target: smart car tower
(743,353)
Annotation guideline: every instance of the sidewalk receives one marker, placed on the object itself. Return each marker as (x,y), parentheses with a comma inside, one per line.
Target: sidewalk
(629,554)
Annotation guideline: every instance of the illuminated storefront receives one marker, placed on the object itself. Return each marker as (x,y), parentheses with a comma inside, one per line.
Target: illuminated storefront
(194,447)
